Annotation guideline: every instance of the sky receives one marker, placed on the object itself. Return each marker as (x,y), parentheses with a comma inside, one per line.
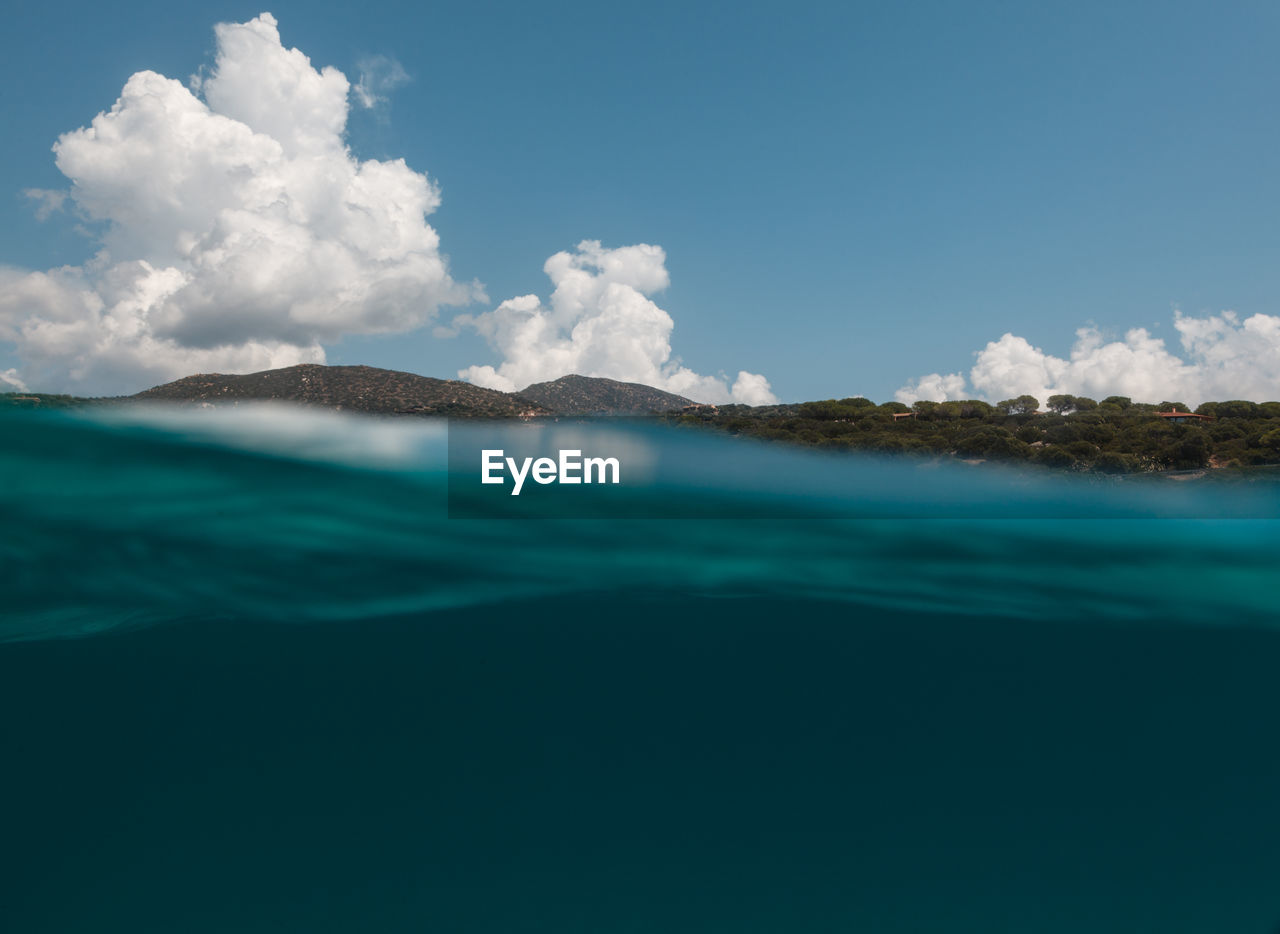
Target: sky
(735,201)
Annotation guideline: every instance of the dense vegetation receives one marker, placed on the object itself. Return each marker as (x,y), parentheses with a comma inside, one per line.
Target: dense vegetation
(1114,436)
(41,400)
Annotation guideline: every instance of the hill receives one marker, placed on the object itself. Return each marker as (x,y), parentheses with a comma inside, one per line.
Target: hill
(593,395)
(356,388)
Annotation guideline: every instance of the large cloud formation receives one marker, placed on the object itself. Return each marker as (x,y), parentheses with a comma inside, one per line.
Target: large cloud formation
(599,322)
(237,231)
(1224,357)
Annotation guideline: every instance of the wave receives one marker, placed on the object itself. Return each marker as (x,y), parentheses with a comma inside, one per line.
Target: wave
(117,518)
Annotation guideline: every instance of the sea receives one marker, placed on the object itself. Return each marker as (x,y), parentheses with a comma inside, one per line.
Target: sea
(267,669)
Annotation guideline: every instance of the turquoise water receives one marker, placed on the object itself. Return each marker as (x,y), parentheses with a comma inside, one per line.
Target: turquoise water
(257,679)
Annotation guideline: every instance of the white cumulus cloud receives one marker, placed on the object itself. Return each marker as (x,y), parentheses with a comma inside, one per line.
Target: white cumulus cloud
(1222,357)
(599,321)
(237,231)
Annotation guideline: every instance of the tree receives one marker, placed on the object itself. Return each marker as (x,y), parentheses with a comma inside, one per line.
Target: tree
(1062,403)
(1085,404)
(1064,434)
(996,443)
(976,408)
(1172,407)
(1023,405)
(1189,452)
(1097,432)
(1111,462)
(1051,455)
(1237,408)
(844,409)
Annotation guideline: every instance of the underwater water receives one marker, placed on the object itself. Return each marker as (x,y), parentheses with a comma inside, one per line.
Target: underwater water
(262,670)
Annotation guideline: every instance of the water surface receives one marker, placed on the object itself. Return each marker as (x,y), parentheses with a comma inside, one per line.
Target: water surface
(256,679)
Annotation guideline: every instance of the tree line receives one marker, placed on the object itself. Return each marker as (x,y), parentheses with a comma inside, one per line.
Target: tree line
(1113,436)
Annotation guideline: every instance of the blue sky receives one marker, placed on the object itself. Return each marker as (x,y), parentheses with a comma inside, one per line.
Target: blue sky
(849,196)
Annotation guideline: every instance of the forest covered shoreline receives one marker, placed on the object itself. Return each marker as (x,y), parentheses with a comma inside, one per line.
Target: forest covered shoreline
(1115,436)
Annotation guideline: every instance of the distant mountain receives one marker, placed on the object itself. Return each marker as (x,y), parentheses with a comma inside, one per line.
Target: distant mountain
(593,395)
(357,388)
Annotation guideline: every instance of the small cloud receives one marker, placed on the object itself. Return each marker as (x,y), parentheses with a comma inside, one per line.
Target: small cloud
(48,201)
(379,76)
(935,387)
(599,321)
(453,328)
(196,81)
(752,389)
(10,381)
